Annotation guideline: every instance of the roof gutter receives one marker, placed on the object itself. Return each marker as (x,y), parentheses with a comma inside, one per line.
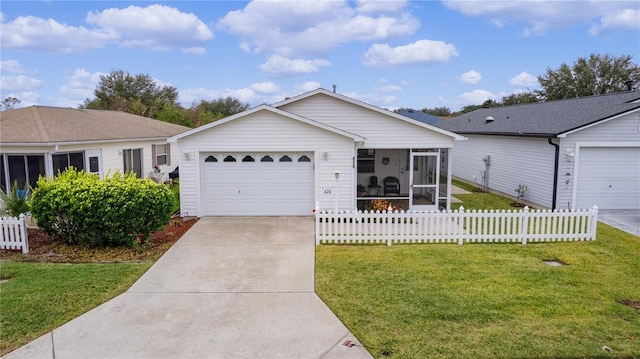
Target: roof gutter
(555,173)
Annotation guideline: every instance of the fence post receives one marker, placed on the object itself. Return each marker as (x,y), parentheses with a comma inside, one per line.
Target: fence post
(23,233)
(460,227)
(317,222)
(594,223)
(524,223)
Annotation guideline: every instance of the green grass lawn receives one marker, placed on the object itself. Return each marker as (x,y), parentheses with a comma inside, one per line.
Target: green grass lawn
(37,297)
(488,300)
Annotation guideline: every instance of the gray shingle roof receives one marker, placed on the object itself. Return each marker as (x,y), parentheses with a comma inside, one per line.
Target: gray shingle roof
(41,124)
(545,119)
(420,116)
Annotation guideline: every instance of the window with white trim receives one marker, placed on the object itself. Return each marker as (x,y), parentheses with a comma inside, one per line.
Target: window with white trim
(161,155)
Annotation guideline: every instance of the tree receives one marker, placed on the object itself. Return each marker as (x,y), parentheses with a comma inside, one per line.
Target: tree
(437,111)
(10,103)
(137,94)
(520,98)
(204,111)
(596,75)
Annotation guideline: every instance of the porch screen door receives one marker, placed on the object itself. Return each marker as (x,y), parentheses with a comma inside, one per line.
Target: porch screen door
(425,181)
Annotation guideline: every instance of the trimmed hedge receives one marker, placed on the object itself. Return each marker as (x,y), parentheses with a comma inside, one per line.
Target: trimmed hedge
(80,208)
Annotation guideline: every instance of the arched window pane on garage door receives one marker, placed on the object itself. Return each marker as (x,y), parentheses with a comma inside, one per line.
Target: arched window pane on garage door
(304,158)
(211,159)
(266,158)
(285,158)
(229,159)
(248,159)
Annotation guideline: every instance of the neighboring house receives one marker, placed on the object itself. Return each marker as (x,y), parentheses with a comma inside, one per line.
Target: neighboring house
(420,116)
(572,153)
(41,140)
(319,147)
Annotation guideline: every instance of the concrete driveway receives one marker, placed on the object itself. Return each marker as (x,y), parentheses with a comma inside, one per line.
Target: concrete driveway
(627,220)
(229,288)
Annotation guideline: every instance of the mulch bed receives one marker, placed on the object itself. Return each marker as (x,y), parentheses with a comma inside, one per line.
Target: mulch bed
(43,248)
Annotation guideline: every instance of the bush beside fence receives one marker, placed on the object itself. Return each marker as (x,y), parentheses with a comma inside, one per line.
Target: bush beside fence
(13,233)
(458,226)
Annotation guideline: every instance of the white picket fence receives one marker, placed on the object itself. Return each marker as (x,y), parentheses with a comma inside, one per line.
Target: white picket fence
(13,233)
(458,226)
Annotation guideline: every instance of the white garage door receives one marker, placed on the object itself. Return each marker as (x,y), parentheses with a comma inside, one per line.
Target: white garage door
(609,178)
(262,184)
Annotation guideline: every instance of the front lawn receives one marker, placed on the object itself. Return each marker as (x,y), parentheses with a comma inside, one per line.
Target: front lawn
(488,300)
(37,297)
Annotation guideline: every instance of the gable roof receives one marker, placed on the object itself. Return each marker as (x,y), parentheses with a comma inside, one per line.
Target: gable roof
(321,91)
(420,116)
(270,109)
(51,125)
(544,119)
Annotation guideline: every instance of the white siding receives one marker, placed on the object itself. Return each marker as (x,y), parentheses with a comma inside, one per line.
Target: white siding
(380,131)
(265,131)
(619,132)
(110,153)
(514,161)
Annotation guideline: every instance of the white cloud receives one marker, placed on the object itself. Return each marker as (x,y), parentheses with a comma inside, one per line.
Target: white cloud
(476,97)
(424,52)
(538,17)
(470,77)
(37,34)
(156,27)
(388,88)
(80,86)
(13,67)
(305,28)
(265,87)
(279,66)
(524,79)
(375,99)
(19,83)
(627,19)
(308,86)
(372,6)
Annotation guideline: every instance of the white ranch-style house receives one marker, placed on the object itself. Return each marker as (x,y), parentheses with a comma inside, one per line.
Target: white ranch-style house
(40,141)
(567,154)
(316,148)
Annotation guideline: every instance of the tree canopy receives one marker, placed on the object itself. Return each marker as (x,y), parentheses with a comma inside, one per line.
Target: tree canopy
(10,103)
(141,95)
(595,75)
(137,94)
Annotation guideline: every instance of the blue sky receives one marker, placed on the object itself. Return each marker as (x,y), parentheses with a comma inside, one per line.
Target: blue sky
(392,54)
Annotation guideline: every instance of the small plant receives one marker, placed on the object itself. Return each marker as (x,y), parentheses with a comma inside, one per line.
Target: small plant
(15,201)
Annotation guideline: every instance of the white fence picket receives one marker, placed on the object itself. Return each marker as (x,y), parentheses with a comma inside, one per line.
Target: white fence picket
(13,233)
(459,226)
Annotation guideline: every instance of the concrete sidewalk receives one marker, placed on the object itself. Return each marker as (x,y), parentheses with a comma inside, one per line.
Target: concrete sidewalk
(229,288)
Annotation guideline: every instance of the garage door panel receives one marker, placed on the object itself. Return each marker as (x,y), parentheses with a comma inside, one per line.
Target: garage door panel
(257,188)
(609,178)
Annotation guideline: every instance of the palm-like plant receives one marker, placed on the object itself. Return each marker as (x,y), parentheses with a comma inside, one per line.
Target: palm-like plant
(15,201)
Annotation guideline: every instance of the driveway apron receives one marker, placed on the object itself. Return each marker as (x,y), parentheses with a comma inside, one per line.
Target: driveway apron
(229,288)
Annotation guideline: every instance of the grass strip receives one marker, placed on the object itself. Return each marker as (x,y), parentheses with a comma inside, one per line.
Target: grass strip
(38,297)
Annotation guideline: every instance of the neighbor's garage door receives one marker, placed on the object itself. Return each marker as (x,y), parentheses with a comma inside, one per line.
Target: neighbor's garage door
(249,184)
(609,178)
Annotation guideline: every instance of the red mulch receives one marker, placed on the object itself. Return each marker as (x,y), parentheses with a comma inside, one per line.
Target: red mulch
(43,248)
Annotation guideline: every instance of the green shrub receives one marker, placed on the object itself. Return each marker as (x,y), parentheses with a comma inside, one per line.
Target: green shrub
(80,208)
(15,201)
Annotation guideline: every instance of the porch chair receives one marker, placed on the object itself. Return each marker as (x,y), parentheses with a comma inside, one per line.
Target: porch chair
(373,184)
(391,185)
